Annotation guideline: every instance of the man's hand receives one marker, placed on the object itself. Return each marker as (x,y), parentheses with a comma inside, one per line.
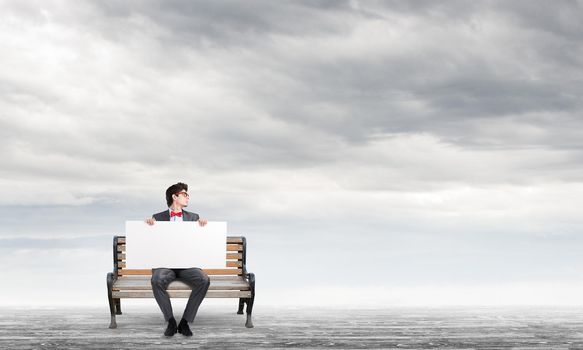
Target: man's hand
(150,221)
(202,222)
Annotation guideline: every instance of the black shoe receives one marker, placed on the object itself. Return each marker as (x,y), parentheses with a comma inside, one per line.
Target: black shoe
(171,329)
(184,329)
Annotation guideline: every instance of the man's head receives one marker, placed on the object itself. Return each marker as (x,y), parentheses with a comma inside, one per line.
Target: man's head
(177,193)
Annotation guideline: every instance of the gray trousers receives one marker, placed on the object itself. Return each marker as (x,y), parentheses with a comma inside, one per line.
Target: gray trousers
(194,277)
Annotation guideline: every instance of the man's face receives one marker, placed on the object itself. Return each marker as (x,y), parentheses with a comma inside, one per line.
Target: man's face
(181,198)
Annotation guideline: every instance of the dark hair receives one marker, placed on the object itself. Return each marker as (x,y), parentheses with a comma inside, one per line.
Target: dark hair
(174,189)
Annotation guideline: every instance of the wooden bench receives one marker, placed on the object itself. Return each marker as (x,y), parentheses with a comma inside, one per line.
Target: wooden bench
(231,282)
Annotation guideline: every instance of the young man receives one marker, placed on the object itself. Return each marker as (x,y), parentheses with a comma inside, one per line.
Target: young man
(177,198)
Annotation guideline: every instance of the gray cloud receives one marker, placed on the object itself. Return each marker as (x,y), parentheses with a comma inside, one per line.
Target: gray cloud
(297,85)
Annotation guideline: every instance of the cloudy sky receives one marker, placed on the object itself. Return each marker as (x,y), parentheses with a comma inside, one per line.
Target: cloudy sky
(373,153)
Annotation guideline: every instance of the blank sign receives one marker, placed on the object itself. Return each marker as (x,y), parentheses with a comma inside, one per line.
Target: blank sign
(182,244)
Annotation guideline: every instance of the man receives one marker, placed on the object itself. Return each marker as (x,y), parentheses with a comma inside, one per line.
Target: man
(177,198)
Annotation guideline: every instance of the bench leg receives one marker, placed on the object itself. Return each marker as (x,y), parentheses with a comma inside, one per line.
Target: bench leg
(241,305)
(117,306)
(249,322)
(112,324)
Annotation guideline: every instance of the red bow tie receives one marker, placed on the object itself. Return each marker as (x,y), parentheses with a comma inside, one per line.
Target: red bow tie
(179,214)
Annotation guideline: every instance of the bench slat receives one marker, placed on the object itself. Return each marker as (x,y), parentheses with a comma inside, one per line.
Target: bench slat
(122,284)
(230,239)
(230,247)
(207,271)
(213,278)
(230,256)
(182,294)
(229,264)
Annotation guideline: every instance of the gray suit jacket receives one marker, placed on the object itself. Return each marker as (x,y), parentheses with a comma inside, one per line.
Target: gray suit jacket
(165,216)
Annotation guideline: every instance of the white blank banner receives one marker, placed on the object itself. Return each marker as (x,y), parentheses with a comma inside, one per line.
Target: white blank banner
(176,245)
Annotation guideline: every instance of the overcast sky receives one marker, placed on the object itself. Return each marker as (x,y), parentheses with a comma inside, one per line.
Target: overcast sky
(385,153)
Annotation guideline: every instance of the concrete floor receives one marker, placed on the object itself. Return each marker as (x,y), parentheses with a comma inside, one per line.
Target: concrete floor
(219,327)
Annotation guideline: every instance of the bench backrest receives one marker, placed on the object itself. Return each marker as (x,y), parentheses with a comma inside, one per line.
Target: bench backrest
(235,258)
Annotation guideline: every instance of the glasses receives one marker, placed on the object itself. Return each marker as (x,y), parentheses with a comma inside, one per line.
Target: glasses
(184,193)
